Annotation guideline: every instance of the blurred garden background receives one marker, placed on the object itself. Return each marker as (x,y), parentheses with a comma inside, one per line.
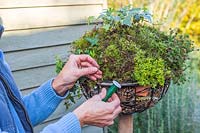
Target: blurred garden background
(35,38)
(179,110)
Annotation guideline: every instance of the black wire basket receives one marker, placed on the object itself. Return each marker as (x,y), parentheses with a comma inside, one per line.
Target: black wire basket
(133,98)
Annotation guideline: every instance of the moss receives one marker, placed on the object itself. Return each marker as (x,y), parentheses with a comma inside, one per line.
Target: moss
(149,70)
(136,52)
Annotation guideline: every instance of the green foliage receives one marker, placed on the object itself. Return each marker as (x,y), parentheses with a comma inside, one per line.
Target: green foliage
(93,41)
(145,65)
(129,50)
(59,64)
(75,92)
(124,16)
(91,19)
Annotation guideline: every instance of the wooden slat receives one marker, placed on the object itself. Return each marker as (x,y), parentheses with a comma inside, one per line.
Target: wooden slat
(28,91)
(40,127)
(92,129)
(36,57)
(25,18)
(35,38)
(33,77)
(36,3)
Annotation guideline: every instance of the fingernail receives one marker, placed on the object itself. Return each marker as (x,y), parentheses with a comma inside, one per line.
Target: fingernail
(95,69)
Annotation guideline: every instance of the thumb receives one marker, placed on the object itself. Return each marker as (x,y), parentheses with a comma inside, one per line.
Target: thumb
(87,71)
(100,96)
(103,93)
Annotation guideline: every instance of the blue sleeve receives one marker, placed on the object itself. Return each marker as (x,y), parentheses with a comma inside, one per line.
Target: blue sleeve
(42,102)
(2,131)
(67,124)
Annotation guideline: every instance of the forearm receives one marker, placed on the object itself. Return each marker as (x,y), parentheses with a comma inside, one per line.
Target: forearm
(67,124)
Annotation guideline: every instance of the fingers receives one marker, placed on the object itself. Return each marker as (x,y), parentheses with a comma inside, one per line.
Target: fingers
(103,113)
(115,100)
(109,118)
(109,123)
(106,123)
(96,98)
(87,71)
(87,58)
(94,76)
(103,93)
(97,75)
(117,111)
(87,62)
(114,105)
(99,96)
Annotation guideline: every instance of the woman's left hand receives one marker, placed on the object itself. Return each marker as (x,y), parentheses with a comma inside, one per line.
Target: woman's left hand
(76,67)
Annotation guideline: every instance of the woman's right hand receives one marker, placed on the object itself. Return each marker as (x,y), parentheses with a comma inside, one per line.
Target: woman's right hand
(98,113)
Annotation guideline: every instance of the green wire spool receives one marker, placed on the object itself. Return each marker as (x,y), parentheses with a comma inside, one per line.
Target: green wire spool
(112,89)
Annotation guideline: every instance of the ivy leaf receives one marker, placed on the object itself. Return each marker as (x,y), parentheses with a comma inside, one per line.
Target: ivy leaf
(59,64)
(106,27)
(148,17)
(101,16)
(92,40)
(127,21)
(67,104)
(135,11)
(117,18)
(71,98)
(137,17)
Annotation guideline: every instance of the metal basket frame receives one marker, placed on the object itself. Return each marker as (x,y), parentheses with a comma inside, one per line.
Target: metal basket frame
(131,102)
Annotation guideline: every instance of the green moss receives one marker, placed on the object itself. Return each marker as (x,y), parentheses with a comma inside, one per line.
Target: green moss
(136,52)
(149,70)
(112,51)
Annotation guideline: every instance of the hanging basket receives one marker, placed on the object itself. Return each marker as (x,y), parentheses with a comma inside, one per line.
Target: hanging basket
(134,98)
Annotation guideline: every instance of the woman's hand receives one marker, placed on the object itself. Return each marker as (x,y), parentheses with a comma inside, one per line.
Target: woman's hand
(76,67)
(98,113)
